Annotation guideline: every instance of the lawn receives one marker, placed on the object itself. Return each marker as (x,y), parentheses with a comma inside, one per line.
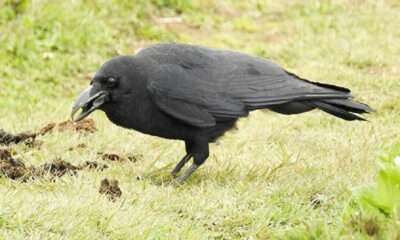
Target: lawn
(277,176)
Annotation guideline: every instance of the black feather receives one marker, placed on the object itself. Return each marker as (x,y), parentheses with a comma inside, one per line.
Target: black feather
(196,94)
(334,110)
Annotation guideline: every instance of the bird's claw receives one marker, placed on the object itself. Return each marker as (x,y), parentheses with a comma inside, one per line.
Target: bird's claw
(186,174)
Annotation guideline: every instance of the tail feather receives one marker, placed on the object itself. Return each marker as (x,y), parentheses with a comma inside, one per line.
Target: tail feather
(340,105)
(342,108)
(350,105)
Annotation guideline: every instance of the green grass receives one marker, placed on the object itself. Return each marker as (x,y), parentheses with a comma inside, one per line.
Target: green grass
(276,177)
(374,209)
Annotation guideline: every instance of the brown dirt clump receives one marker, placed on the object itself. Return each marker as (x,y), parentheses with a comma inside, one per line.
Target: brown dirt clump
(111,156)
(30,138)
(8,138)
(58,168)
(47,129)
(111,189)
(79,146)
(14,168)
(83,126)
(34,143)
(92,165)
(5,153)
(132,159)
(117,157)
(10,167)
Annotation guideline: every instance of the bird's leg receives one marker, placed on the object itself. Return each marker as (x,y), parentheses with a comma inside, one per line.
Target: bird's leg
(182,163)
(200,154)
(185,159)
(187,173)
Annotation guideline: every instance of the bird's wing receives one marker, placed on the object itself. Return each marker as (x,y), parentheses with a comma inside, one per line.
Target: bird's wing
(260,83)
(190,98)
(200,85)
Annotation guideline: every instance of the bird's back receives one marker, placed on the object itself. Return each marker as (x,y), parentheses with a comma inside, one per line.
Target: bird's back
(201,86)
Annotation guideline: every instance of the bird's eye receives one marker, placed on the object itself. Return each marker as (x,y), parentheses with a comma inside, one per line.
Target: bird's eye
(111,82)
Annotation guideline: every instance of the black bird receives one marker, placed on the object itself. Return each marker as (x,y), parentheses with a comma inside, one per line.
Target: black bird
(195,94)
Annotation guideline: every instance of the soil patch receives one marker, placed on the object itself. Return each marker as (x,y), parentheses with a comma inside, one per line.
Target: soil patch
(111,189)
(92,165)
(10,167)
(14,167)
(46,129)
(28,137)
(57,168)
(79,146)
(117,157)
(83,126)
(8,138)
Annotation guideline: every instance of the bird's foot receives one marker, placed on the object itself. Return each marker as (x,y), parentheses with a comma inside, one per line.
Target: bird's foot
(186,174)
(180,165)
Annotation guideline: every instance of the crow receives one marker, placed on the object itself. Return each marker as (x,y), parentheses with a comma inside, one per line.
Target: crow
(196,94)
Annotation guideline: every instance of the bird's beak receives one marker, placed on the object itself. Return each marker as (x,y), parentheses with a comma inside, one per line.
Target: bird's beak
(89,100)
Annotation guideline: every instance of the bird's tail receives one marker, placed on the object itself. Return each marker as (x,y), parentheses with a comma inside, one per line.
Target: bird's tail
(331,99)
(341,108)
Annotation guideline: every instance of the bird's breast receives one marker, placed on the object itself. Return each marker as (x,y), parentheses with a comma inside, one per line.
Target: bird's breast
(148,120)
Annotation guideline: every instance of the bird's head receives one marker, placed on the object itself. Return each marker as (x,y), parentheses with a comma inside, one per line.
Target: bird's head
(108,87)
